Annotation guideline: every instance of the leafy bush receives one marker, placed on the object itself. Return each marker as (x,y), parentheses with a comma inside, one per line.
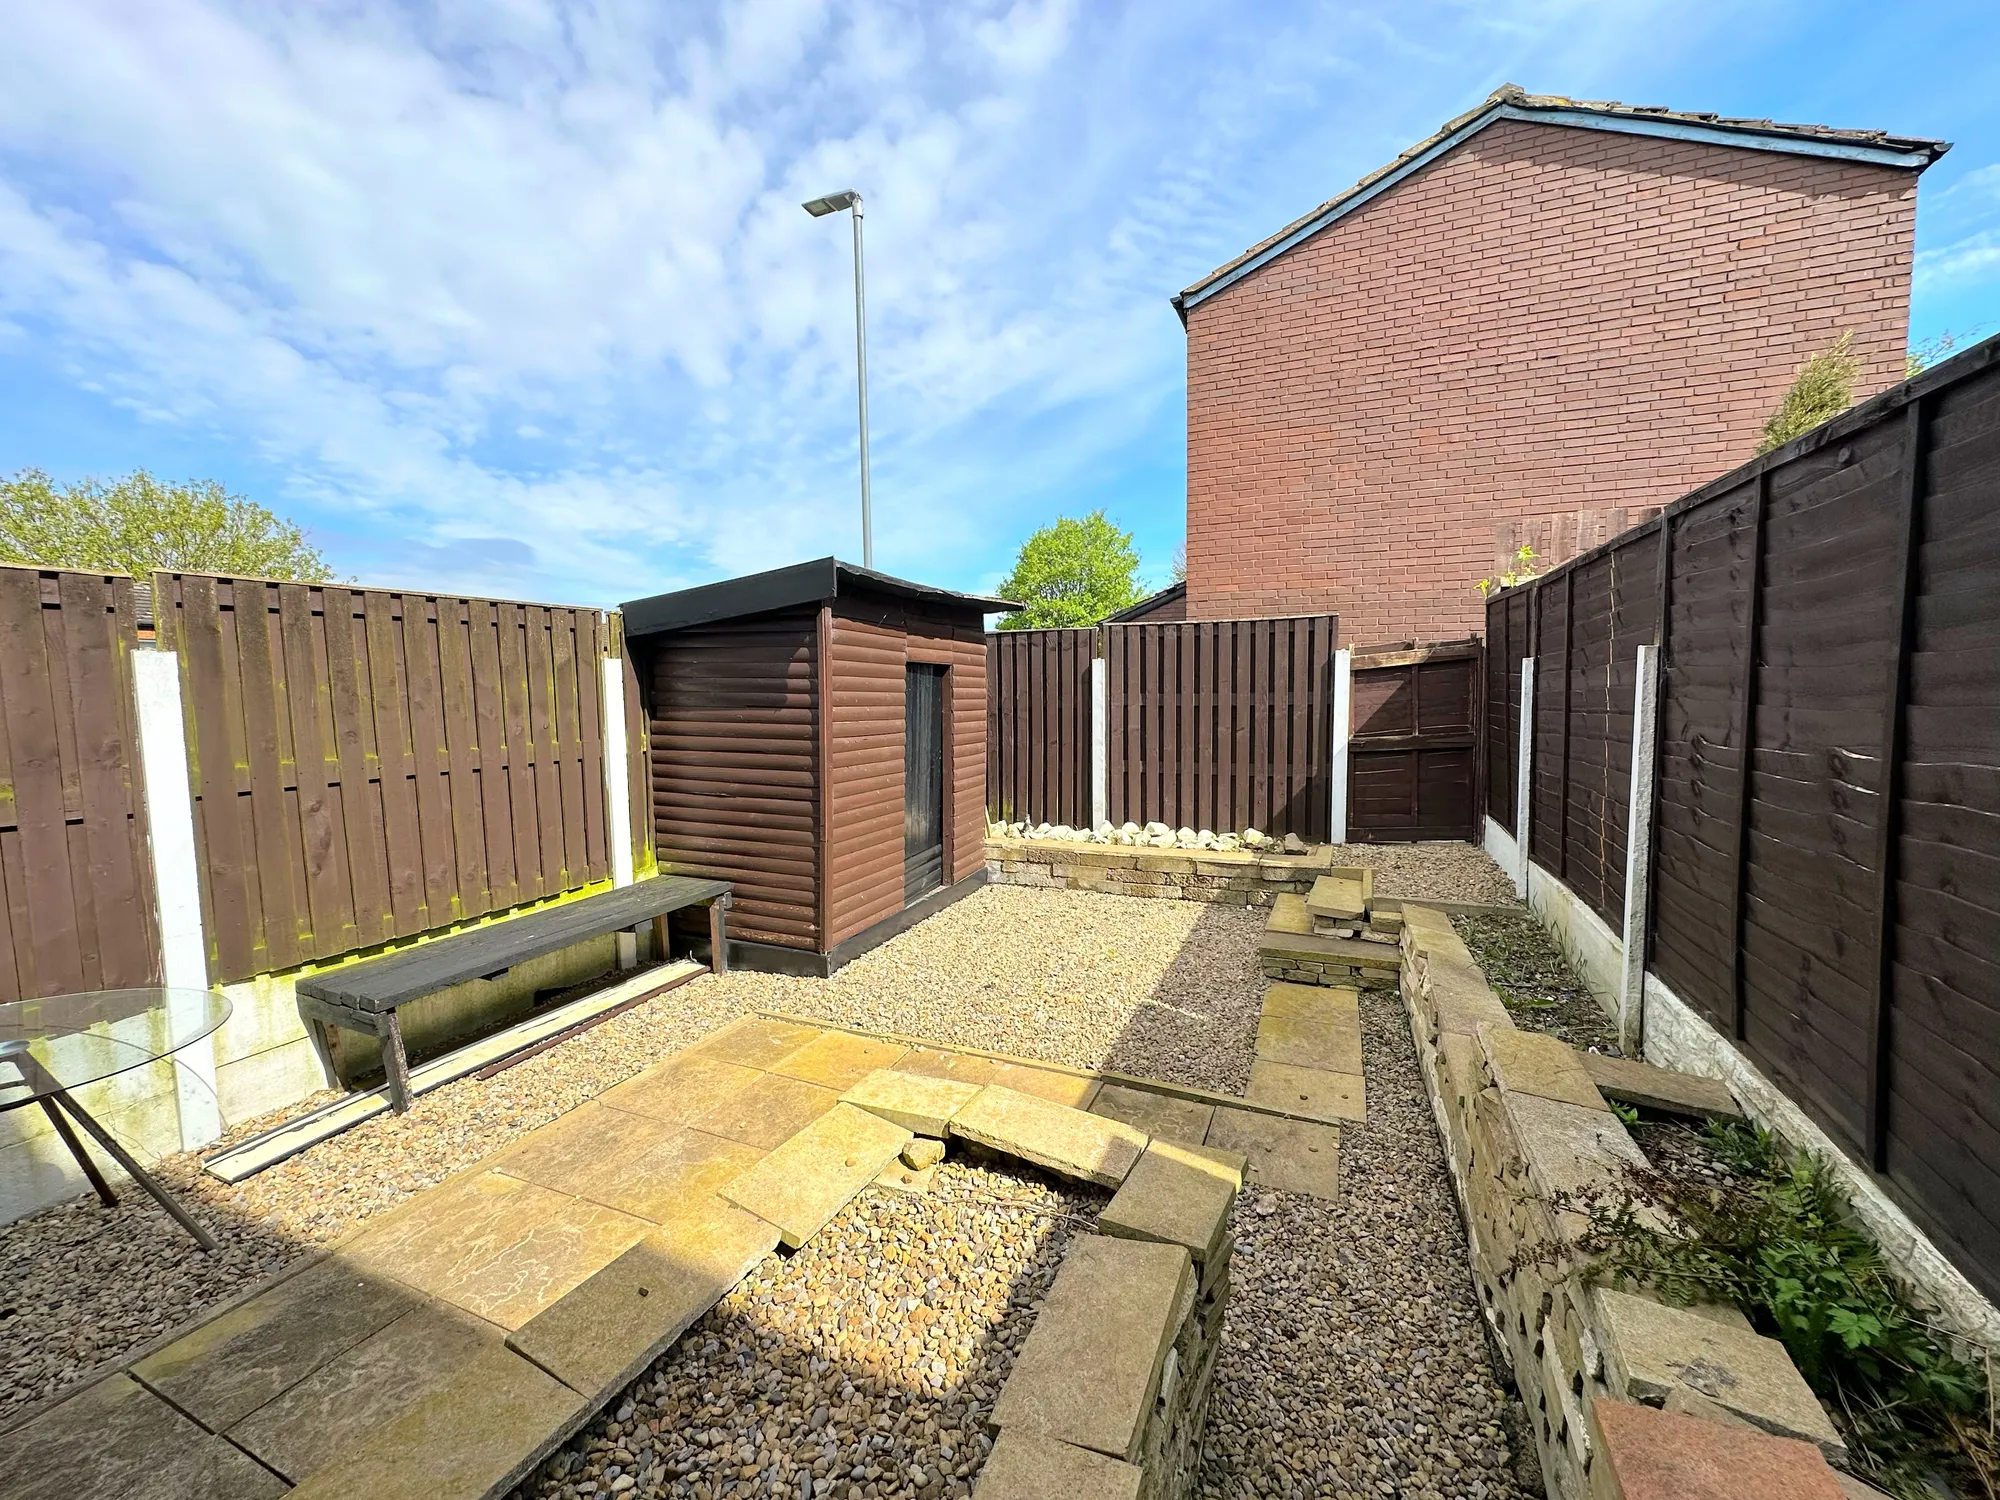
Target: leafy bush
(1821,391)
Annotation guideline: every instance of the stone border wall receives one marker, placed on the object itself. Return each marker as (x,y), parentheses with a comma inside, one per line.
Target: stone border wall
(1235,877)
(1521,1122)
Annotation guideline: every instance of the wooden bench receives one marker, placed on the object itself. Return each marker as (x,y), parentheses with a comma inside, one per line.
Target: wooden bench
(365,996)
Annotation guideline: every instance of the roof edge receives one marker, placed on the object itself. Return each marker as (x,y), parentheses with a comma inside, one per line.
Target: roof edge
(813,582)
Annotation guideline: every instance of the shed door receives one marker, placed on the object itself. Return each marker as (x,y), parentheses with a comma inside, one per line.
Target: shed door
(923,780)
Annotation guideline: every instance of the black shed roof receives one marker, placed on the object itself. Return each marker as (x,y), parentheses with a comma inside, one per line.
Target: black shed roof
(782,588)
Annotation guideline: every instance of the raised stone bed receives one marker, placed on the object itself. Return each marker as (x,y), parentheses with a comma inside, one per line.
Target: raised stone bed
(1523,1122)
(1235,877)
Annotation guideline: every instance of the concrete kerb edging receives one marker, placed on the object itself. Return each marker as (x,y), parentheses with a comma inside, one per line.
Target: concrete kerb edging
(1515,1129)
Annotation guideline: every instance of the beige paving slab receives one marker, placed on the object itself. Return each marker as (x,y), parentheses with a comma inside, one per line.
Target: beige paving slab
(673,1179)
(1292,1156)
(1174,1197)
(1047,1083)
(1308,1091)
(1328,1043)
(839,1059)
(554,1256)
(476,1436)
(321,1418)
(582,1145)
(1313,1002)
(1660,1088)
(768,1111)
(1062,1139)
(1337,896)
(1090,1368)
(679,1090)
(1030,1466)
(118,1439)
(810,1178)
(753,1042)
(932,1062)
(1530,1062)
(448,1233)
(921,1105)
(598,1337)
(1161,1116)
(1289,916)
(233,1364)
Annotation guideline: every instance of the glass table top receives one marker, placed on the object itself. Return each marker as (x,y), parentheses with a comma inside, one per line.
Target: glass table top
(65,1041)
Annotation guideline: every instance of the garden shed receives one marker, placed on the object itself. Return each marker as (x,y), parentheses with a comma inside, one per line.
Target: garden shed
(818,739)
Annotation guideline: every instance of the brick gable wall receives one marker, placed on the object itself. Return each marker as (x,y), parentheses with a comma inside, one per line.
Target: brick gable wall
(1544,336)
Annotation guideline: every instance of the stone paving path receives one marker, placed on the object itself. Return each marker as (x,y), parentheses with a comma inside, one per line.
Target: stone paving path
(451,1344)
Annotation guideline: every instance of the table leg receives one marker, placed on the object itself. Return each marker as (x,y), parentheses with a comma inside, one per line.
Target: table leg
(718,935)
(396,1063)
(138,1173)
(104,1193)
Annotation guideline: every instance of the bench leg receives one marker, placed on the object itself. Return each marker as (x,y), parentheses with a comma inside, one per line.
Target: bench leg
(662,948)
(718,935)
(396,1063)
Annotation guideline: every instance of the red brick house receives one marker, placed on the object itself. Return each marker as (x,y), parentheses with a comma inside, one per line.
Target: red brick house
(1539,325)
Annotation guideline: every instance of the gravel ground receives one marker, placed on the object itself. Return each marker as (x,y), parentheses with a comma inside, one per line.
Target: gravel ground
(1535,981)
(862,1366)
(1443,871)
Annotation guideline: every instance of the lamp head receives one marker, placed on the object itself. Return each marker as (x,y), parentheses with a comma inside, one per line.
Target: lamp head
(832,203)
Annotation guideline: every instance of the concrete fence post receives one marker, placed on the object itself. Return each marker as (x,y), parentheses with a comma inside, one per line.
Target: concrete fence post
(1341,729)
(618,794)
(1639,852)
(1524,781)
(163,771)
(1100,744)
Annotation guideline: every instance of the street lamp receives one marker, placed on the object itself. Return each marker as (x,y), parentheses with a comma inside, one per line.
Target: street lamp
(819,208)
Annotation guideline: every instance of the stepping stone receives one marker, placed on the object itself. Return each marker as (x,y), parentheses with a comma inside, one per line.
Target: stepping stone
(604,1332)
(839,1060)
(231,1365)
(1289,916)
(1161,1116)
(1090,1368)
(1648,1454)
(1313,1092)
(767,1112)
(1531,1062)
(1027,1465)
(322,1417)
(1663,1089)
(811,1177)
(1337,898)
(921,1105)
(117,1438)
(1291,1156)
(1063,1140)
(1332,1042)
(1314,1002)
(1046,1083)
(1174,1197)
(680,1090)
(753,1042)
(478,1435)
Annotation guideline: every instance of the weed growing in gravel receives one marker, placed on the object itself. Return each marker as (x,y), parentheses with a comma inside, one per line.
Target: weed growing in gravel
(1771,1235)
(1535,981)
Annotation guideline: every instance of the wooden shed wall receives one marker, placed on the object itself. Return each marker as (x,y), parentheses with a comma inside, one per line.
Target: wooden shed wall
(735,746)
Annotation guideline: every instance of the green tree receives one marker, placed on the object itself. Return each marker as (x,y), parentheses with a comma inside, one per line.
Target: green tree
(1072,573)
(136,524)
(1822,390)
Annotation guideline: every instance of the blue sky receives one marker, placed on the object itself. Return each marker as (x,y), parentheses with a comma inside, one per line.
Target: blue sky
(517,297)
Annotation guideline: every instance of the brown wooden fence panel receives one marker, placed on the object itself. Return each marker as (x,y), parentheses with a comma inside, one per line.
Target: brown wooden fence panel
(369,765)
(1221,724)
(1507,643)
(1414,754)
(76,898)
(1038,718)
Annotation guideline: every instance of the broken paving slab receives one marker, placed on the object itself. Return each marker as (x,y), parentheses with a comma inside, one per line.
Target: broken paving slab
(680,1090)
(1330,1042)
(1532,1062)
(1643,1453)
(753,1042)
(1174,1197)
(921,1105)
(768,1112)
(1313,1092)
(1091,1365)
(478,1435)
(1640,1083)
(839,1059)
(320,1418)
(606,1330)
(225,1369)
(116,1438)
(1063,1140)
(1162,1116)
(1028,1465)
(810,1178)
(1291,1156)
(1337,897)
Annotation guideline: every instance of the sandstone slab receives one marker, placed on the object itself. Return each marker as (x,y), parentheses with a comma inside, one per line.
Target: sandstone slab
(1329,1042)
(1064,1140)
(1645,1454)
(921,1105)
(1663,1089)
(679,1090)
(1028,1465)
(600,1335)
(1174,1197)
(767,1112)
(1337,896)
(117,1438)
(1091,1366)
(811,1177)
(1531,1062)
(574,1150)
(1313,1092)
(552,1257)
(1289,916)
(1071,1089)
(839,1059)
(753,1042)
(1324,1004)
(936,1062)
(1292,1156)
(671,1180)
(1161,1116)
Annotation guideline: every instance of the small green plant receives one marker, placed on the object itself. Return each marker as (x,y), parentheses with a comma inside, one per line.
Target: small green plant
(1525,558)
(1822,389)
(1922,356)
(1629,1113)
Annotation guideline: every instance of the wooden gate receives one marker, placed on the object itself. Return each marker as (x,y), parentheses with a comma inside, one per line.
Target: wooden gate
(1413,753)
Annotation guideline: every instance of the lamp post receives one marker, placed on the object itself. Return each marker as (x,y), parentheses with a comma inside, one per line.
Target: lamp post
(819,208)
